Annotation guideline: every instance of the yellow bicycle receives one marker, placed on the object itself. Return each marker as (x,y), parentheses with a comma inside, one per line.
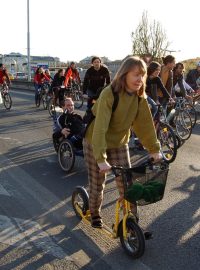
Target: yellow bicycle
(144,183)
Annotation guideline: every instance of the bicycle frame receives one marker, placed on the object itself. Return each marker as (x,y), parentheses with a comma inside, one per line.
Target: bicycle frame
(121,205)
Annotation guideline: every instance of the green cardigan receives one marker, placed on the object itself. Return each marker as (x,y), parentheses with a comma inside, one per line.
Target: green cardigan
(112,129)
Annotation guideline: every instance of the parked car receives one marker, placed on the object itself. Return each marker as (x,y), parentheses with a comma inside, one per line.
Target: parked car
(20,75)
(11,76)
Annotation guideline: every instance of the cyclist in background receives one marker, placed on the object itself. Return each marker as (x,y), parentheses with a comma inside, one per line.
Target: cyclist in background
(71,74)
(193,77)
(4,75)
(154,83)
(181,88)
(39,78)
(96,77)
(166,74)
(57,82)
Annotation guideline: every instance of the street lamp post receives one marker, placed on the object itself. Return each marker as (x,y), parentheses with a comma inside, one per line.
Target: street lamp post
(28,43)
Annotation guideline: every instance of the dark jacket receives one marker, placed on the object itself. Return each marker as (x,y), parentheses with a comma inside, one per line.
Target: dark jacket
(73,121)
(95,79)
(152,86)
(192,77)
(57,80)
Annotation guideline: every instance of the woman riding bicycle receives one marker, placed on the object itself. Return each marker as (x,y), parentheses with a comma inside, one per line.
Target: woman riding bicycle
(106,139)
(39,78)
(58,81)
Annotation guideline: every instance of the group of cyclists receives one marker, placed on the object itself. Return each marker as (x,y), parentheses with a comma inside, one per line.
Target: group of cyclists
(138,86)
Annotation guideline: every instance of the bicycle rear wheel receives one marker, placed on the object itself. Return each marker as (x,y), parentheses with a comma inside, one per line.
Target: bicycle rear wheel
(7,101)
(168,142)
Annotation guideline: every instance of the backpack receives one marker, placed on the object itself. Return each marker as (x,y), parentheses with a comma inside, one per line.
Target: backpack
(89,116)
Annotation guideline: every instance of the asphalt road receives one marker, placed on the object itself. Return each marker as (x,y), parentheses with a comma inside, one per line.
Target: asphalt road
(38,228)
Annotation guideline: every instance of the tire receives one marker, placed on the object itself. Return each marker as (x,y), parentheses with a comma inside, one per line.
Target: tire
(51,107)
(66,155)
(183,123)
(45,101)
(78,99)
(178,141)
(7,101)
(80,199)
(134,245)
(192,112)
(168,141)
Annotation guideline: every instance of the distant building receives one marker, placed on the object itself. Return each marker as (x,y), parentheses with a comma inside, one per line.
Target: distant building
(17,62)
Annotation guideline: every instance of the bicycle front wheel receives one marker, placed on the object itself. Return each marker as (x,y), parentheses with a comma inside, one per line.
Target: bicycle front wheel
(168,142)
(7,101)
(134,243)
(78,99)
(192,112)
(183,123)
(45,101)
(51,107)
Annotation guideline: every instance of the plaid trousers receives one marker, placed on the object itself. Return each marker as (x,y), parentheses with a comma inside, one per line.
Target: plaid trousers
(118,156)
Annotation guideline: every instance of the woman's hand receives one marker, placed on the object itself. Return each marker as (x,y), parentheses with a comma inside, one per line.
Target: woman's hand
(156,157)
(104,167)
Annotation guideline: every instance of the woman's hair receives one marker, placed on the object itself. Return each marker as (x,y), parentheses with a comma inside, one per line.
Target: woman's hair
(60,70)
(177,66)
(119,81)
(152,67)
(168,59)
(95,58)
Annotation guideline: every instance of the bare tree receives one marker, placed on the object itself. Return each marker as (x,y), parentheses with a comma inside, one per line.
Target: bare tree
(149,39)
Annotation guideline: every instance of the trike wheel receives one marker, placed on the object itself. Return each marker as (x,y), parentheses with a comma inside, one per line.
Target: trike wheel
(134,245)
(66,156)
(80,201)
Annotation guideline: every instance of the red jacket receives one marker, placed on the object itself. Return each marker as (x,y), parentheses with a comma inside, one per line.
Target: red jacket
(4,77)
(39,78)
(71,74)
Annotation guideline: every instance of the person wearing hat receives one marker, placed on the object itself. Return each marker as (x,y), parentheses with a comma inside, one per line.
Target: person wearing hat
(193,77)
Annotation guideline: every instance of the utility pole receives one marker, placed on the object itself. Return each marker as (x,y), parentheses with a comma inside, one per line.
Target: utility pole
(28,43)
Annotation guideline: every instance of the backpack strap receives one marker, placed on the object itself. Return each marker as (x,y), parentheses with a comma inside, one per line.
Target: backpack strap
(116,99)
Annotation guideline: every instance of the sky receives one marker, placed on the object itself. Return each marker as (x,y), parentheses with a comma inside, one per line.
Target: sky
(75,29)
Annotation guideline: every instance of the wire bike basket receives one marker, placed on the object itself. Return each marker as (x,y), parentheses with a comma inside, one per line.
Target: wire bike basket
(145,184)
